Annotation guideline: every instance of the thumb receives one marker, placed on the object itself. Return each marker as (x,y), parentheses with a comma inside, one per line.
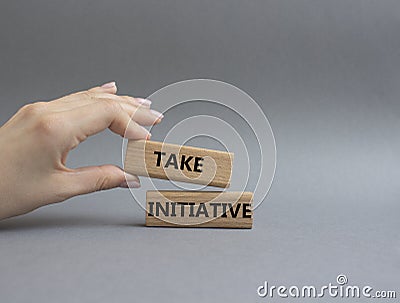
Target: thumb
(90,179)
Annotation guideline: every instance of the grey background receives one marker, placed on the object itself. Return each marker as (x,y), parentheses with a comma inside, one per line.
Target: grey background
(327,75)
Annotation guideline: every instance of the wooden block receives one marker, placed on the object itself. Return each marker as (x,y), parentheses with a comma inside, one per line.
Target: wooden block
(199,209)
(179,163)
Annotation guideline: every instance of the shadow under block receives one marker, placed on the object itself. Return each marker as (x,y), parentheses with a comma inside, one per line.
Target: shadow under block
(180,163)
(199,209)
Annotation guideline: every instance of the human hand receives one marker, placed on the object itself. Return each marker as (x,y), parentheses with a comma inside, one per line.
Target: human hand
(35,143)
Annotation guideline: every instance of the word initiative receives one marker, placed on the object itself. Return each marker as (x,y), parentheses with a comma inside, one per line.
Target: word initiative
(199,209)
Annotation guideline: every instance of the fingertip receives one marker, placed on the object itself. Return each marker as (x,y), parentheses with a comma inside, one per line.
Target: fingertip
(144,102)
(131,181)
(158,116)
(135,131)
(110,87)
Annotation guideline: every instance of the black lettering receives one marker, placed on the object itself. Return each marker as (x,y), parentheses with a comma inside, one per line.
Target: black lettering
(158,157)
(191,214)
(172,160)
(165,210)
(246,210)
(215,208)
(182,204)
(173,211)
(151,210)
(224,210)
(202,210)
(185,162)
(197,164)
(235,212)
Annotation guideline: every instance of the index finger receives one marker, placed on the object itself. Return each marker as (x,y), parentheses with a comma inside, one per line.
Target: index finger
(93,118)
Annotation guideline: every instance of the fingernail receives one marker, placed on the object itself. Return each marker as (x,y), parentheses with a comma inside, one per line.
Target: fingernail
(157,114)
(145,134)
(143,101)
(130,182)
(109,85)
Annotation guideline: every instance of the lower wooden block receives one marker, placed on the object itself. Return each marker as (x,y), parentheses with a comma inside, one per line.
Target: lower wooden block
(199,209)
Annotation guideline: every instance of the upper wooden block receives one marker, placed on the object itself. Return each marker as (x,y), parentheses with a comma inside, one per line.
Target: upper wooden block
(179,163)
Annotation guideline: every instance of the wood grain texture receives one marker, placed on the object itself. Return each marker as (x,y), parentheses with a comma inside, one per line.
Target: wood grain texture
(189,164)
(199,209)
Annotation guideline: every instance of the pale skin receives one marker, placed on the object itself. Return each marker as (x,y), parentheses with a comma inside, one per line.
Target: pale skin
(36,141)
